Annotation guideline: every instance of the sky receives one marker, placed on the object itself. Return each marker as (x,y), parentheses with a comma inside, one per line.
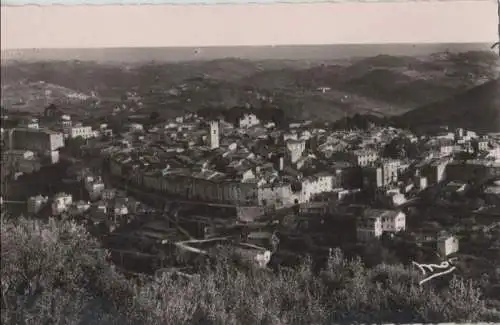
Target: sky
(80,26)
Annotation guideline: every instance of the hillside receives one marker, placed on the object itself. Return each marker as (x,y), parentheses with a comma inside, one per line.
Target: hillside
(35,96)
(380,85)
(477,109)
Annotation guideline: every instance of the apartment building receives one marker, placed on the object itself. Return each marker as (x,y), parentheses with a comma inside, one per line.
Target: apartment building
(84,132)
(61,203)
(374,222)
(248,120)
(38,140)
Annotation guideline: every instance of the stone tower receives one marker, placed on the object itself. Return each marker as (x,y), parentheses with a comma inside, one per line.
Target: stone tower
(214,135)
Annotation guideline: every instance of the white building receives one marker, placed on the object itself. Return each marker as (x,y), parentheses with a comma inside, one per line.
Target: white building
(79,208)
(375,222)
(255,255)
(213,138)
(61,203)
(94,186)
(85,132)
(120,209)
(108,194)
(276,195)
(362,157)
(317,184)
(136,127)
(248,120)
(295,149)
(66,124)
(447,245)
(393,221)
(33,124)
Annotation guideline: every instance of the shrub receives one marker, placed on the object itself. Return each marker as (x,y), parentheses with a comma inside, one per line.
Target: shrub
(55,273)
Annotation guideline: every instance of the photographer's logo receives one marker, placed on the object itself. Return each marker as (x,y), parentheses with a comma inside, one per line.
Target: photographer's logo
(431,271)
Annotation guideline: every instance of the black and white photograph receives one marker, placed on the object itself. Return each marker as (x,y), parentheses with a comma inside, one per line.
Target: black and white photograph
(276,185)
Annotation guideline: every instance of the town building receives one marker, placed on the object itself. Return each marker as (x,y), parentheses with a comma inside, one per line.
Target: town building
(313,185)
(84,132)
(275,195)
(368,228)
(382,174)
(79,208)
(362,157)
(492,194)
(248,120)
(37,140)
(374,222)
(66,124)
(17,155)
(31,123)
(36,203)
(214,136)
(61,203)
(94,186)
(295,149)
(447,245)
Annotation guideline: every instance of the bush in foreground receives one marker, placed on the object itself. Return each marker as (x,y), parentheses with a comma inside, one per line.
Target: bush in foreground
(55,273)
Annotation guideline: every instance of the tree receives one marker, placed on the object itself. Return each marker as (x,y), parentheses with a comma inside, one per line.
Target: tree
(400,148)
(154,116)
(55,273)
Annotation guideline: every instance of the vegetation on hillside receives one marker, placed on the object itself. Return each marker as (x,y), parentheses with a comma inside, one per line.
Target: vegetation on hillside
(383,85)
(55,273)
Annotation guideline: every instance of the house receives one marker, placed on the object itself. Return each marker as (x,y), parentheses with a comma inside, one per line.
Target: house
(17,156)
(393,221)
(99,209)
(275,194)
(492,194)
(447,245)
(368,228)
(374,222)
(266,239)
(108,194)
(94,186)
(61,203)
(253,254)
(319,183)
(36,203)
(249,213)
(120,208)
(84,132)
(315,208)
(248,120)
(79,208)
(295,149)
(362,157)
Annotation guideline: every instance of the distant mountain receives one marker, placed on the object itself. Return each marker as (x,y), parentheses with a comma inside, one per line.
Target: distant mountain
(379,85)
(35,96)
(397,88)
(477,109)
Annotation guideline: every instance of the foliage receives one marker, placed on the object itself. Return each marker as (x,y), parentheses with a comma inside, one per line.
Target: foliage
(54,273)
(401,148)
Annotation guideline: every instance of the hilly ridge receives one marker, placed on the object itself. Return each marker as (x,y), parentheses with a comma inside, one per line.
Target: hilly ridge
(383,85)
(477,109)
